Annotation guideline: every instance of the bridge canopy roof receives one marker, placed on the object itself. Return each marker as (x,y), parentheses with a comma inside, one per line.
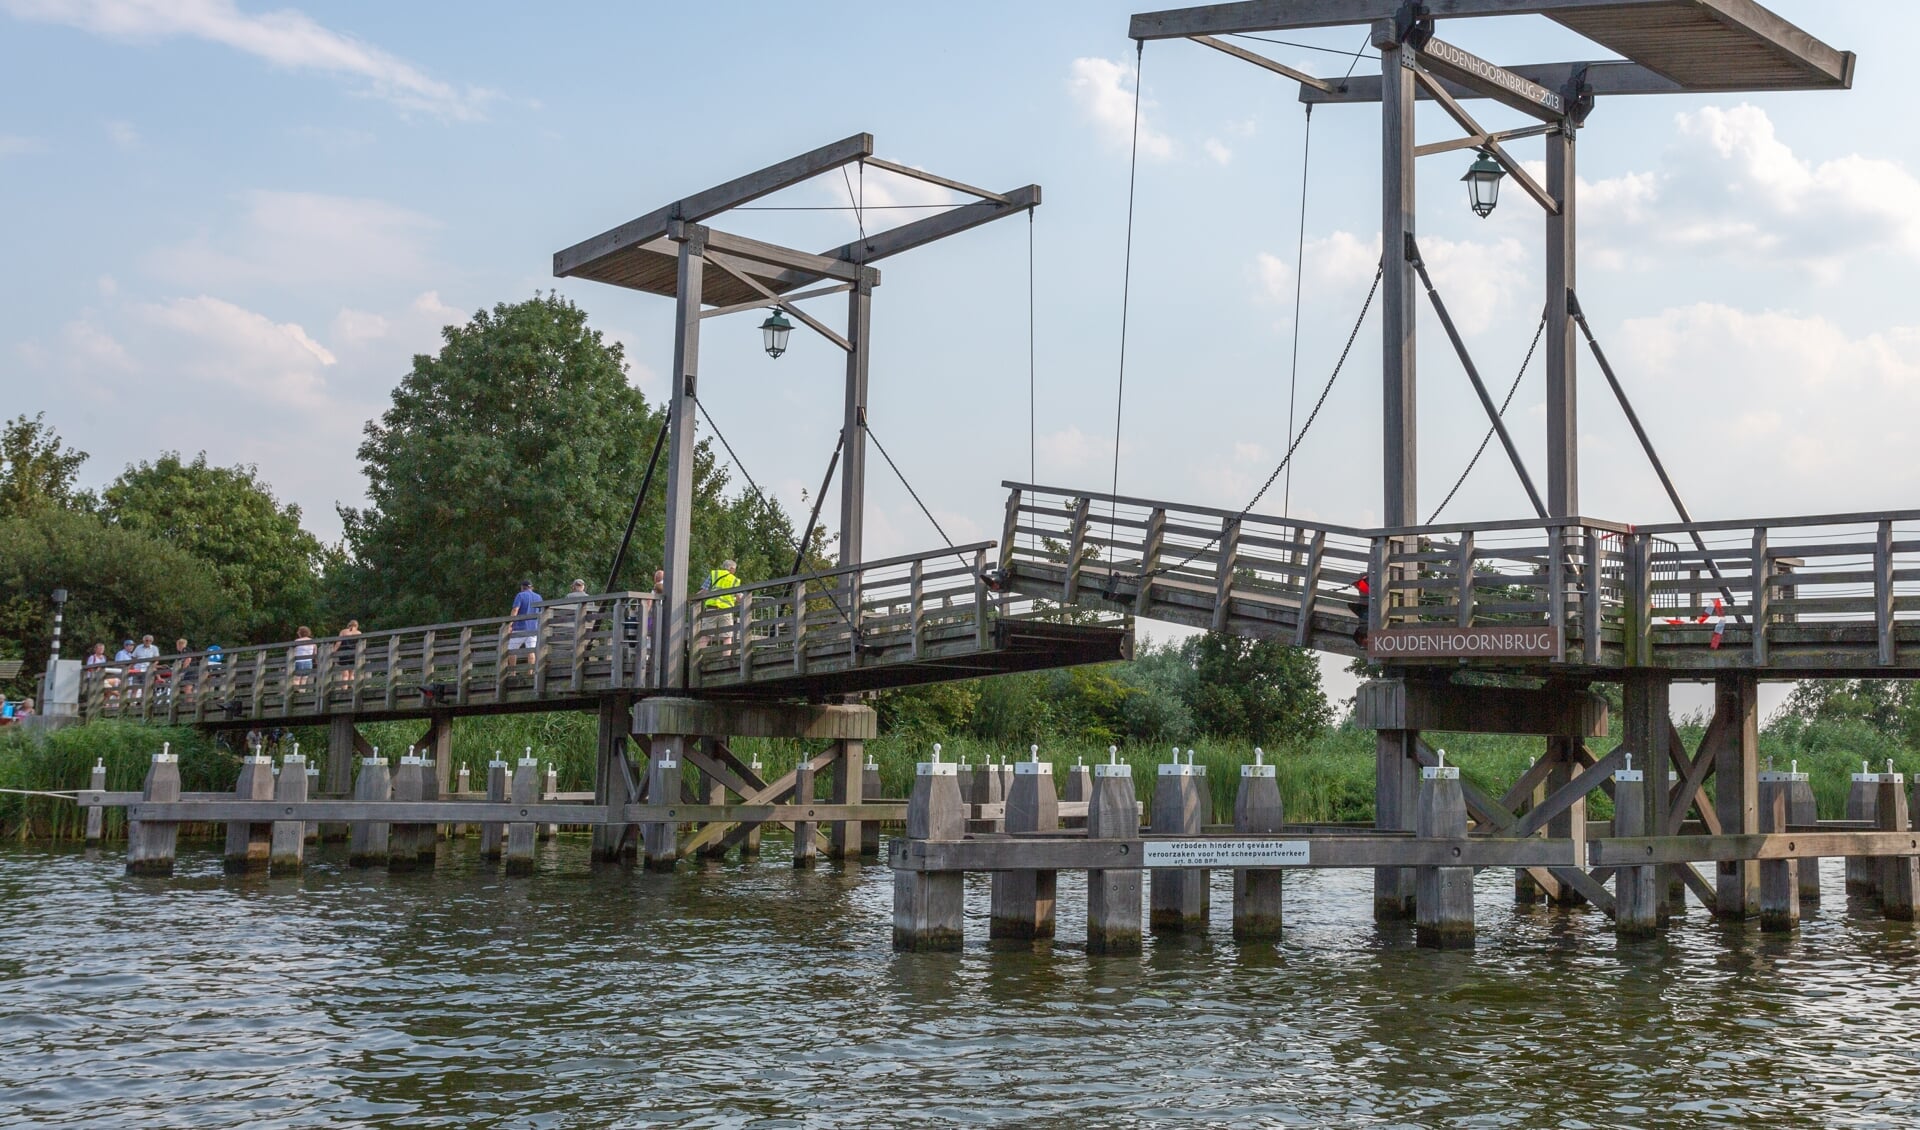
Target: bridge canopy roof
(1699,45)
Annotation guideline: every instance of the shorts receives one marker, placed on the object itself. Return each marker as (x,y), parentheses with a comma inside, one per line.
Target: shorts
(302,666)
(528,642)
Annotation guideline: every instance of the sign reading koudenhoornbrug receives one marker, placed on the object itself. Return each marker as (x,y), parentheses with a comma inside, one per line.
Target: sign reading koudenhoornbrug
(1434,642)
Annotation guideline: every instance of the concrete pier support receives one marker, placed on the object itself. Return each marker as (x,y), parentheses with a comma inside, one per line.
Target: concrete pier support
(1443,906)
(661,840)
(1178,897)
(290,836)
(493,833)
(1637,897)
(1779,878)
(1113,897)
(870,830)
(403,839)
(1023,901)
(1863,796)
(97,816)
(367,842)
(1802,810)
(1257,810)
(806,843)
(928,906)
(524,789)
(250,845)
(1899,874)
(150,844)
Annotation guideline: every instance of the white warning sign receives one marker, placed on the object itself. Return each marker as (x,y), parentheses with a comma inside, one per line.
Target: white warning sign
(1226,853)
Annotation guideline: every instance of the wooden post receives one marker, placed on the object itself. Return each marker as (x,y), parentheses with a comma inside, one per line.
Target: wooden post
(1779,878)
(524,790)
(250,845)
(463,785)
(1647,700)
(1257,810)
(1398,297)
(150,843)
(310,829)
(612,774)
(928,906)
(987,789)
(1079,782)
(1395,782)
(1113,897)
(340,754)
(849,787)
(1637,911)
(289,836)
(1179,895)
(682,388)
(661,838)
(409,785)
(1863,797)
(1899,874)
(805,843)
(1527,889)
(437,747)
(96,815)
(1736,790)
(1562,344)
(426,837)
(1571,824)
(493,832)
(1802,810)
(1443,916)
(550,791)
(750,846)
(870,791)
(853,423)
(1676,885)
(1023,901)
(368,841)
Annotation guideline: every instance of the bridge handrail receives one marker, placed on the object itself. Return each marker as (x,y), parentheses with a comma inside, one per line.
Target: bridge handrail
(961,551)
(1856,519)
(1209,511)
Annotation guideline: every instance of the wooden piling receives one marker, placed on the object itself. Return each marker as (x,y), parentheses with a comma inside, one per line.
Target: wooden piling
(1023,901)
(614,783)
(96,815)
(290,836)
(310,832)
(493,832)
(150,843)
(463,784)
(1443,899)
(928,906)
(1113,897)
(1636,890)
(367,842)
(249,845)
(1179,895)
(1676,887)
(550,792)
(1257,810)
(1863,795)
(1802,810)
(342,744)
(1570,824)
(870,830)
(750,845)
(660,839)
(849,787)
(426,841)
(1395,784)
(525,790)
(403,840)
(1736,792)
(1779,878)
(806,845)
(1899,874)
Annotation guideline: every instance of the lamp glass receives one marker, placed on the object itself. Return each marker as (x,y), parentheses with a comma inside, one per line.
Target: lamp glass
(774,331)
(1483,185)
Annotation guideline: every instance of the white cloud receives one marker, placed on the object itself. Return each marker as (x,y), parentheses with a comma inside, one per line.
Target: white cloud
(92,351)
(14,145)
(123,134)
(1276,279)
(1104,90)
(1477,281)
(303,237)
(285,38)
(1216,150)
(219,343)
(108,286)
(358,327)
(1074,450)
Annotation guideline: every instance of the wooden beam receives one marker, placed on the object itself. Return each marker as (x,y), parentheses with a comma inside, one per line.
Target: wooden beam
(1570,794)
(1476,141)
(1496,82)
(1051,854)
(1743,848)
(760,251)
(1459,114)
(772,299)
(1603,78)
(1258,60)
(713,201)
(934,178)
(800,296)
(962,217)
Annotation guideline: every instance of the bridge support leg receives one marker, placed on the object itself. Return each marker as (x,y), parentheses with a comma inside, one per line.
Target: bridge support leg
(150,844)
(1179,895)
(1113,897)
(612,772)
(493,833)
(1647,699)
(437,745)
(524,790)
(806,842)
(367,845)
(341,749)
(1863,795)
(1395,781)
(1899,874)
(1257,810)
(1571,824)
(1528,889)
(1022,907)
(849,787)
(250,846)
(928,906)
(870,791)
(1736,790)
(1443,907)
(1637,910)
(661,839)
(403,839)
(290,836)
(1779,878)
(750,843)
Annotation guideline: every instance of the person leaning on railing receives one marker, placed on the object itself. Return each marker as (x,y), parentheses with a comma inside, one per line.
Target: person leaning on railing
(721,602)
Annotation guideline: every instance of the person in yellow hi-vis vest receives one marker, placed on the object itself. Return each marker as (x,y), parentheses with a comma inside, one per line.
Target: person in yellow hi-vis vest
(720,606)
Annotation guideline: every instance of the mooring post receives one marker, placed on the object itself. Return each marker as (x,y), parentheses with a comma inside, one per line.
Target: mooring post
(249,844)
(614,784)
(550,793)
(290,836)
(1636,890)
(1779,878)
(1079,782)
(426,836)
(341,747)
(1899,874)
(525,791)
(1647,727)
(660,838)
(1023,901)
(1676,887)
(409,787)
(1572,823)
(463,785)
(987,790)
(150,843)
(311,834)
(368,840)
(1527,890)
(1113,897)
(1443,903)
(1863,795)
(1736,791)
(1395,785)
(806,847)
(1257,810)
(1179,894)
(493,832)
(849,787)
(96,815)
(1802,810)
(750,846)
(870,790)
(928,906)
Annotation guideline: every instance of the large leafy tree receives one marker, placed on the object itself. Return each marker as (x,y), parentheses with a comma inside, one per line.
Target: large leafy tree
(1261,690)
(227,517)
(516,452)
(36,470)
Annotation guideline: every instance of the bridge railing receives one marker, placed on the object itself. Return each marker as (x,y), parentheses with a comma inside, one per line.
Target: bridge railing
(893,610)
(579,645)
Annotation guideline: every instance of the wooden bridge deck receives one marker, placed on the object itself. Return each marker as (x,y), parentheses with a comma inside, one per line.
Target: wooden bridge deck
(1794,597)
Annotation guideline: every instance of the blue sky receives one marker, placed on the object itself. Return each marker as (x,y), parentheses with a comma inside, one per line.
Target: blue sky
(228,227)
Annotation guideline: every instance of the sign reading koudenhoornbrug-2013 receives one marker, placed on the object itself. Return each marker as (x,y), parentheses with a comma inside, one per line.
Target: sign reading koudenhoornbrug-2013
(1435,642)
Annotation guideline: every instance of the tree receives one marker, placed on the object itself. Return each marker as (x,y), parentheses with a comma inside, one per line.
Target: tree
(227,517)
(513,453)
(35,471)
(1260,690)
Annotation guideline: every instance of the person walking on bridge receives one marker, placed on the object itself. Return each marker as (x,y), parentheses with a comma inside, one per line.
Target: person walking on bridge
(721,603)
(525,633)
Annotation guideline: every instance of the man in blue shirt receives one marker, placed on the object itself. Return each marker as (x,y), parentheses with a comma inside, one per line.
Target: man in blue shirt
(525,632)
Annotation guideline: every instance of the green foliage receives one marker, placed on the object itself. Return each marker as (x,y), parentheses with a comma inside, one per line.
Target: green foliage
(1260,690)
(227,517)
(64,759)
(36,472)
(931,712)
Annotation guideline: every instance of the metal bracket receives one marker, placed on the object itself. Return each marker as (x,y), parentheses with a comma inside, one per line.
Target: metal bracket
(1413,24)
